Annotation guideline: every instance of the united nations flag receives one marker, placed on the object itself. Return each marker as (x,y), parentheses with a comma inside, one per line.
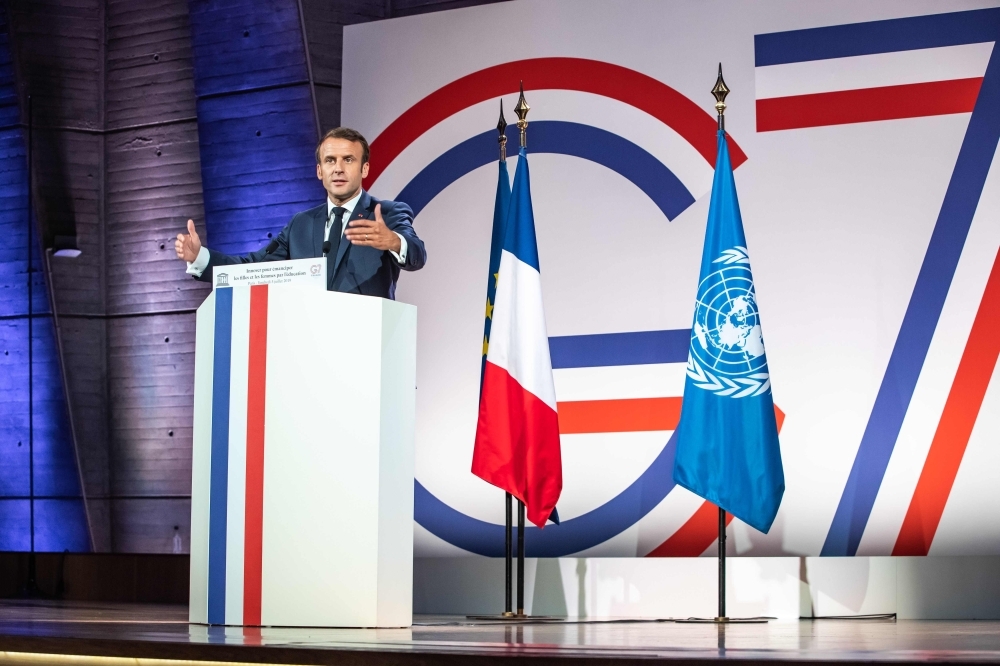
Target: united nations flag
(727,439)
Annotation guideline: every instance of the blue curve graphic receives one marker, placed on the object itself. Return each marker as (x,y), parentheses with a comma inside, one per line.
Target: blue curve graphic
(570,536)
(553,136)
(672,198)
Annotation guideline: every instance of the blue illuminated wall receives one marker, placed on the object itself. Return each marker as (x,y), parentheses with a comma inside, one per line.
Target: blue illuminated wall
(147,113)
(256,119)
(268,83)
(60,521)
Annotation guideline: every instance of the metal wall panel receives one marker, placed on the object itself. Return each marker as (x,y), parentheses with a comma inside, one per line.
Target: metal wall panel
(149,76)
(152,186)
(151,366)
(244,45)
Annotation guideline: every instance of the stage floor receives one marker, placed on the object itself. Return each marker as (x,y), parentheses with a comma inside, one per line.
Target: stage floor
(162,632)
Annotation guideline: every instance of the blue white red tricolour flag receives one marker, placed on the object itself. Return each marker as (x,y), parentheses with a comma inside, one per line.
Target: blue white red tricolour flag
(517,437)
(727,439)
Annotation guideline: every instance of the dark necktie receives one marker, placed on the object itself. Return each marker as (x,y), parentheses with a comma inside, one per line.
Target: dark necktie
(334,239)
(336,229)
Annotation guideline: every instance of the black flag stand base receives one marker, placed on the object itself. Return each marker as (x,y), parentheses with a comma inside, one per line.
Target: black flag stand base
(721,618)
(508,612)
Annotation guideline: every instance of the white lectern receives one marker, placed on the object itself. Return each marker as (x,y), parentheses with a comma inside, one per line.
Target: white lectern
(302,477)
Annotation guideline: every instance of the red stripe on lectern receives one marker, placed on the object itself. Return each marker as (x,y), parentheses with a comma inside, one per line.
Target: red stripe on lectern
(955,427)
(256,394)
(844,107)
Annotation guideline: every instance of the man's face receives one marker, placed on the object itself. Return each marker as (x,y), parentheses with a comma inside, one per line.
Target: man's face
(340,169)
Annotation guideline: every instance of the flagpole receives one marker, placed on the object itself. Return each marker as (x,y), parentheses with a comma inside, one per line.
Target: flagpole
(508,610)
(520,559)
(521,110)
(508,565)
(719,92)
(721,617)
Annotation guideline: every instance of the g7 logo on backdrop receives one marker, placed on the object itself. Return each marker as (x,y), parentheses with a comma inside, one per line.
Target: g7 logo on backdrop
(650,175)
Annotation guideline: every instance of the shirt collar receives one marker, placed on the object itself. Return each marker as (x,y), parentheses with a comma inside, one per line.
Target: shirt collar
(350,206)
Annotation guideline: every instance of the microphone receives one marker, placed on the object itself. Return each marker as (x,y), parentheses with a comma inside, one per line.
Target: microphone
(271,247)
(326,247)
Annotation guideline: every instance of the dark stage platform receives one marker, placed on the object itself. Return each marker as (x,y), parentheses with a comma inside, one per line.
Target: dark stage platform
(35,632)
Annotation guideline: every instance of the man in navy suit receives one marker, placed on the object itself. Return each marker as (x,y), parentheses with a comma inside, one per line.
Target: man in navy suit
(366,241)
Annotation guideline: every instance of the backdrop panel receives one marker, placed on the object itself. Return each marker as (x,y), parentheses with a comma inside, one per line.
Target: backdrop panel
(866,137)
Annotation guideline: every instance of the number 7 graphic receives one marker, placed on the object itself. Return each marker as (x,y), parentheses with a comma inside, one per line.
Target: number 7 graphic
(943,251)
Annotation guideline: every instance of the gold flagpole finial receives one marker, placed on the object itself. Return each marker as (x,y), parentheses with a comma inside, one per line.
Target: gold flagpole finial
(719,92)
(521,110)
(502,138)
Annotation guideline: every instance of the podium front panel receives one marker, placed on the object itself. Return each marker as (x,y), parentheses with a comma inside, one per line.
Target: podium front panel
(302,483)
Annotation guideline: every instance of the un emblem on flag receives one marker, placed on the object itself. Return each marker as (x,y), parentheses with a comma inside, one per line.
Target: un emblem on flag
(727,347)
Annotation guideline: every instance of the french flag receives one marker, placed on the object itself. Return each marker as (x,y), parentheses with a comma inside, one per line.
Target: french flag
(517,437)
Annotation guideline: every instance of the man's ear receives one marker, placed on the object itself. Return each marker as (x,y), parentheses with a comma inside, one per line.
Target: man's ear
(319,171)
(364,169)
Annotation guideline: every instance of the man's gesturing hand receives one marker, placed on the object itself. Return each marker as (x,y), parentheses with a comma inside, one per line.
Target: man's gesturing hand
(188,245)
(373,233)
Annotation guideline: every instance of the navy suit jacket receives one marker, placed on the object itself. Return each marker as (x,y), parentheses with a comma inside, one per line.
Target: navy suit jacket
(356,269)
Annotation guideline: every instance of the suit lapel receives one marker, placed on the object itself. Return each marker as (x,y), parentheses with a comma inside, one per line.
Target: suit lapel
(363,209)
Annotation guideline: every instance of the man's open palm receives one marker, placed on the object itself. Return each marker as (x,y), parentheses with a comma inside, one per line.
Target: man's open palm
(188,245)
(373,233)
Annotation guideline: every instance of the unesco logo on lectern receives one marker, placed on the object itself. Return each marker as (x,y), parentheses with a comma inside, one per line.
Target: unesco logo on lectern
(222,280)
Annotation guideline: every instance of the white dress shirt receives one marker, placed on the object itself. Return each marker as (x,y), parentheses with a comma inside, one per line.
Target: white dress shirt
(200,263)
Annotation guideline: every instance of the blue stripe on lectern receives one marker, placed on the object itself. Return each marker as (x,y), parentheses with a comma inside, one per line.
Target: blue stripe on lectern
(219,493)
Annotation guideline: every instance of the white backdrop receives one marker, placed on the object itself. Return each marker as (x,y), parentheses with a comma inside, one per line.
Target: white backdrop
(838,217)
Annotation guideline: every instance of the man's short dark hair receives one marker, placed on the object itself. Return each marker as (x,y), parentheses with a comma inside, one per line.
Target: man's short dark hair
(348,134)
